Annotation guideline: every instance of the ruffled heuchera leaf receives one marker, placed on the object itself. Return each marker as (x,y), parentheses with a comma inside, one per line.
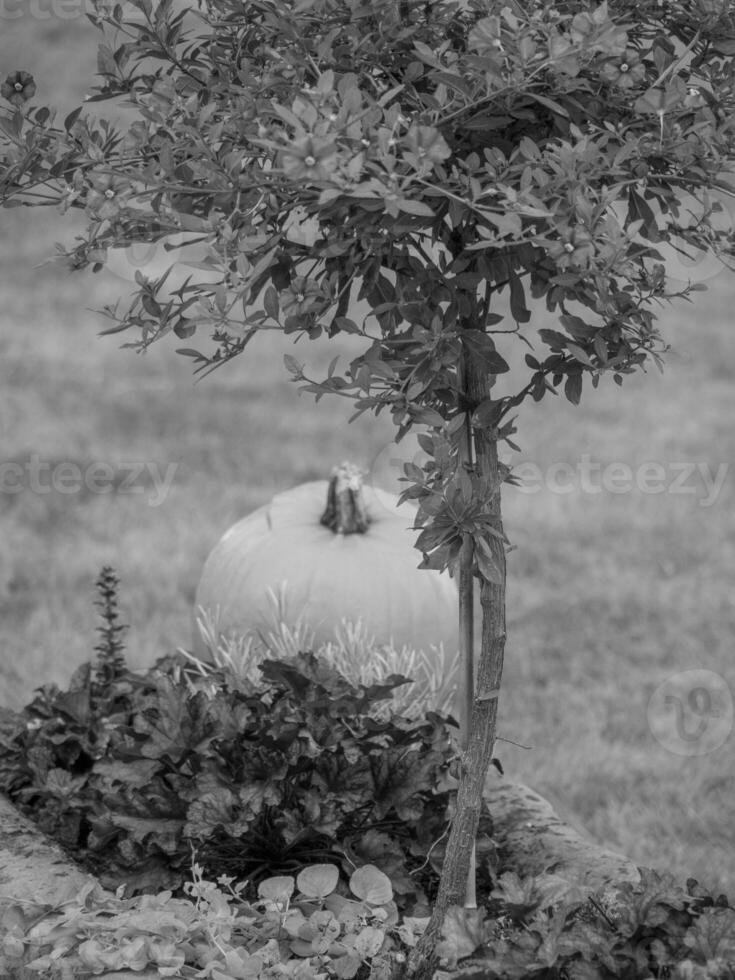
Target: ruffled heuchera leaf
(171,728)
(463,932)
(134,773)
(412,928)
(371,885)
(713,935)
(213,810)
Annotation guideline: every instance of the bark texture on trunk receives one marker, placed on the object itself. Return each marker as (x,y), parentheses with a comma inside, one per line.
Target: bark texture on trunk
(467,674)
(481,736)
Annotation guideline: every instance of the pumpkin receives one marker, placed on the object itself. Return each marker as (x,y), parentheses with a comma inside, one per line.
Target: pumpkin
(353,560)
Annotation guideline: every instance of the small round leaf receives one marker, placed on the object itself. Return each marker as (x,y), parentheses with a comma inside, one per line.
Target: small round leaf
(277,889)
(318,880)
(371,885)
(368,942)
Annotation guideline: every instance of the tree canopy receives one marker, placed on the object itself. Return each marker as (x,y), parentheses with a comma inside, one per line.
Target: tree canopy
(420,157)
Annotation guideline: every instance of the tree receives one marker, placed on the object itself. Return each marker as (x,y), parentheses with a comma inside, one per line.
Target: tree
(423,158)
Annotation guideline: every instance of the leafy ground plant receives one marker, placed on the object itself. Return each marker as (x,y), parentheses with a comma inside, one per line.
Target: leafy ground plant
(300,924)
(130,771)
(314,926)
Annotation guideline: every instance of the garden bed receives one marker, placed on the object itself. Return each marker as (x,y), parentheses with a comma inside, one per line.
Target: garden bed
(529,835)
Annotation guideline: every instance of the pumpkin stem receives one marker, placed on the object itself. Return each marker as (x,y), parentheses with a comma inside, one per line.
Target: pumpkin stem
(346,512)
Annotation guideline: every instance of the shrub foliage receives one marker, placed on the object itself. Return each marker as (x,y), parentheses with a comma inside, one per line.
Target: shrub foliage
(130,771)
(260,782)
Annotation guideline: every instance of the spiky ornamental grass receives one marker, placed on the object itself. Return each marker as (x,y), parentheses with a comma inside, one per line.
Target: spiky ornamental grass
(353,652)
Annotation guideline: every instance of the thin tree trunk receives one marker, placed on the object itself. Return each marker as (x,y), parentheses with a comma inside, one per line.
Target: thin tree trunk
(467,674)
(476,761)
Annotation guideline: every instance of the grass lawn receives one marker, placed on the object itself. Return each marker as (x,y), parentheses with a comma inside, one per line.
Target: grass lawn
(614,590)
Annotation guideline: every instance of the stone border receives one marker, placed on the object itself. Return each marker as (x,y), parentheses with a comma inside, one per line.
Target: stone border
(531,838)
(32,866)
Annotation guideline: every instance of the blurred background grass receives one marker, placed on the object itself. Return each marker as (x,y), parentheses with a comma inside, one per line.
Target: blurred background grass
(610,594)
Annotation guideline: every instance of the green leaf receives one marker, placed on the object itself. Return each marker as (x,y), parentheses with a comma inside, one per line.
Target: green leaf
(486,564)
(581,355)
(185,328)
(318,880)
(74,705)
(573,388)
(484,38)
(346,325)
(278,889)
(463,932)
(220,298)
(170,731)
(165,832)
(712,935)
(548,103)
(487,413)
(659,99)
(289,117)
(508,224)
(134,773)
(426,416)
(368,942)
(415,207)
(514,891)
(270,302)
(346,967)
(518,309)
(640,210)
(724,46)
(293,366)
(482,347)
(435,535)
(427,54)
(371,885)
(555,340)
(577,327)
(72,118)
(563,55)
